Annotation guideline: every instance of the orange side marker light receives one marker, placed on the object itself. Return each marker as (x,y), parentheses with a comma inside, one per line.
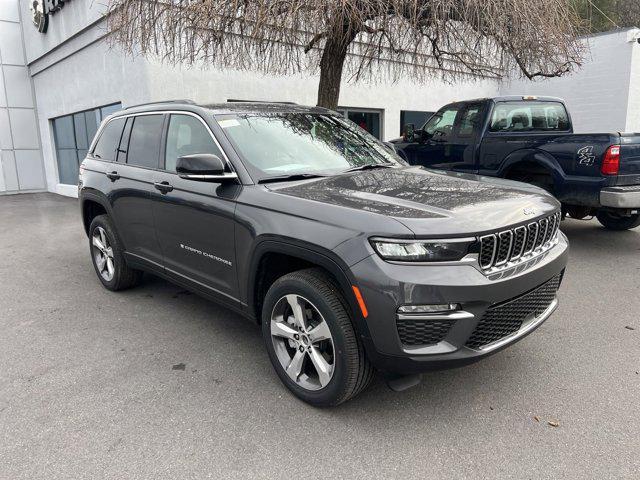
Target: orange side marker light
(363,307)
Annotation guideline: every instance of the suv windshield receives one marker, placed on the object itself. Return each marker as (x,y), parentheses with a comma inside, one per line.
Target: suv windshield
(529,116)
(277,144)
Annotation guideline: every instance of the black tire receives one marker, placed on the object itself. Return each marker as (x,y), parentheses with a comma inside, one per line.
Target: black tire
(123,276)
(352,370)
(612,221)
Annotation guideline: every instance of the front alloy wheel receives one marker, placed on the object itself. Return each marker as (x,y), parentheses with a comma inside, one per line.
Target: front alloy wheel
(311,340)
(302,342)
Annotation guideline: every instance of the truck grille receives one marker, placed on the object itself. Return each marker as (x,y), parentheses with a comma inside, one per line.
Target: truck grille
(499,249)
(506,318)
(422,332)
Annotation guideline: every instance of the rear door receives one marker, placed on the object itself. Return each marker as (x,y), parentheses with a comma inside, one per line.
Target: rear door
(132,176)
(195,219)
(465,139)
(129,186)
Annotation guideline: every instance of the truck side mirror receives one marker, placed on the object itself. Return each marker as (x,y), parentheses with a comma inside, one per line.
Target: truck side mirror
(409,132)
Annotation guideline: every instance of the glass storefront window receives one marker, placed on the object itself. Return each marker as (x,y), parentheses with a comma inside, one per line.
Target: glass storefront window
(73,135)
(369,120)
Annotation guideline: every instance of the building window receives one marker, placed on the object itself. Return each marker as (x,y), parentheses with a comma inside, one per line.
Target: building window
(73,134)
(416,117)
(369,120)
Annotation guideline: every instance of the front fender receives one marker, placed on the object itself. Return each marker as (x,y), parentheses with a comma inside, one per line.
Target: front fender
(313,254)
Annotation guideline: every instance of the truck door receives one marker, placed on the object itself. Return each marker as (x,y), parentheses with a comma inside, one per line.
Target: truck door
(432,149)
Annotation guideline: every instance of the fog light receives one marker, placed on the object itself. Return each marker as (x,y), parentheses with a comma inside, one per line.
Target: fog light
(443,307)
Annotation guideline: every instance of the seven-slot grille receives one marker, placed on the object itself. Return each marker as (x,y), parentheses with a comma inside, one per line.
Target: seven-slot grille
(507,246)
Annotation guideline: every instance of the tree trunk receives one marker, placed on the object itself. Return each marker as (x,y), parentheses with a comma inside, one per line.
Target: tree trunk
(331,64)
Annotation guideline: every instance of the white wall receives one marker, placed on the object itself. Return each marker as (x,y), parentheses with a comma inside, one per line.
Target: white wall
(21,167)
(597,95)
(633,111)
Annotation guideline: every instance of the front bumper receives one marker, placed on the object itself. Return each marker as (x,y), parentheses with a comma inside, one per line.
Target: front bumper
(386,286)
(621,197)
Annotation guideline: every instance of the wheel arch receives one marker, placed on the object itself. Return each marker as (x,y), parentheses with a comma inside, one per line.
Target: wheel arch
(302,255)
(533,161)
(92,205)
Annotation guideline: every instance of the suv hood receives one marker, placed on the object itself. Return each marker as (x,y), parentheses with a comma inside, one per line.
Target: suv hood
(430,203)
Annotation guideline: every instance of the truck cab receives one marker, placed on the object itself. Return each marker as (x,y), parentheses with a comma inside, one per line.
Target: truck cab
(531,139)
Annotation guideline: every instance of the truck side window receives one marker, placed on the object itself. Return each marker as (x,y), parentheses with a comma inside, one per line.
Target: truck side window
(442,123)
(109,140)
(187,136)
(469,121)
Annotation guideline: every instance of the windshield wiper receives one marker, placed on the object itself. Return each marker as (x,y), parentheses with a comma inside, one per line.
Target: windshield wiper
(369,166)
(294,176)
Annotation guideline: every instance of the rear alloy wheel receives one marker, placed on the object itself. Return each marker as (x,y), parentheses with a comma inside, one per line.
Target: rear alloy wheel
(612,221)
(311,341)
(103,254)
(107,255)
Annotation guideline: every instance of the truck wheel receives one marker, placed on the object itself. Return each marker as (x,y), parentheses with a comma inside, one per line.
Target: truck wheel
(311,341)
(612,221)
(107,255)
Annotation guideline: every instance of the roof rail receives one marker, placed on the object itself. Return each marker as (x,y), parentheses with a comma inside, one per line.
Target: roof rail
(235,100)
(190,102)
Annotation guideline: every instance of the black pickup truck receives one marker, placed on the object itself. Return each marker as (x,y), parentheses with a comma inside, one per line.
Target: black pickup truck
(531,139)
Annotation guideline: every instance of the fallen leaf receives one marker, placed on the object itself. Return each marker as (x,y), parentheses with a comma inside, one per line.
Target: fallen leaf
(554,423)
(537,418)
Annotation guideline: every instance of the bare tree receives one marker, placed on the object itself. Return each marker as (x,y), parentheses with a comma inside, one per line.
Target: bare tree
(419,39)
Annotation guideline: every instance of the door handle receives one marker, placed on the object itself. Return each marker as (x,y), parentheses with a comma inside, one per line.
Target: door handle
(164,187)
(113,176)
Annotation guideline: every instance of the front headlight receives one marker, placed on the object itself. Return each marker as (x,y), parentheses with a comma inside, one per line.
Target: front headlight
(422,251)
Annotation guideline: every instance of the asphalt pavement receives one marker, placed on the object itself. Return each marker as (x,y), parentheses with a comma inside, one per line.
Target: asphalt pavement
(159,383)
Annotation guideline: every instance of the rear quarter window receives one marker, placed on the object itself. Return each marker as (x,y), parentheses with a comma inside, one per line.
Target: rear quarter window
(529,117)
(109,140)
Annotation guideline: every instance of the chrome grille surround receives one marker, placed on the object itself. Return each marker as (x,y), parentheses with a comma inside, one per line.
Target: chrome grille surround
(513,246)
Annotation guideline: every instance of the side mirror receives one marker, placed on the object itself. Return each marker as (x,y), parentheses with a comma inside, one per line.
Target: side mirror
(203,167)
(409,132)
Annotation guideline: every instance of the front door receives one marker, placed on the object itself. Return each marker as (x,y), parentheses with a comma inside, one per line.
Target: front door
(433,149)
(195,219)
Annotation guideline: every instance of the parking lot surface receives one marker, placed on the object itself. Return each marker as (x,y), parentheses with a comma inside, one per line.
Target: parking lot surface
(158,383)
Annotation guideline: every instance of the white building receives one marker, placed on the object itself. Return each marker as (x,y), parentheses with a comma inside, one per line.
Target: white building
(56,86)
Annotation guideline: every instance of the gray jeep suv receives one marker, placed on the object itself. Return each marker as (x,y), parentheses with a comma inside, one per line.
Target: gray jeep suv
(351,260)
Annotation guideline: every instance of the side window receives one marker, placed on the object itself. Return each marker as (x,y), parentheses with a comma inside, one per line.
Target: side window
(186,136)
(441,124)
(470,121)
(109,140)
(144,141)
